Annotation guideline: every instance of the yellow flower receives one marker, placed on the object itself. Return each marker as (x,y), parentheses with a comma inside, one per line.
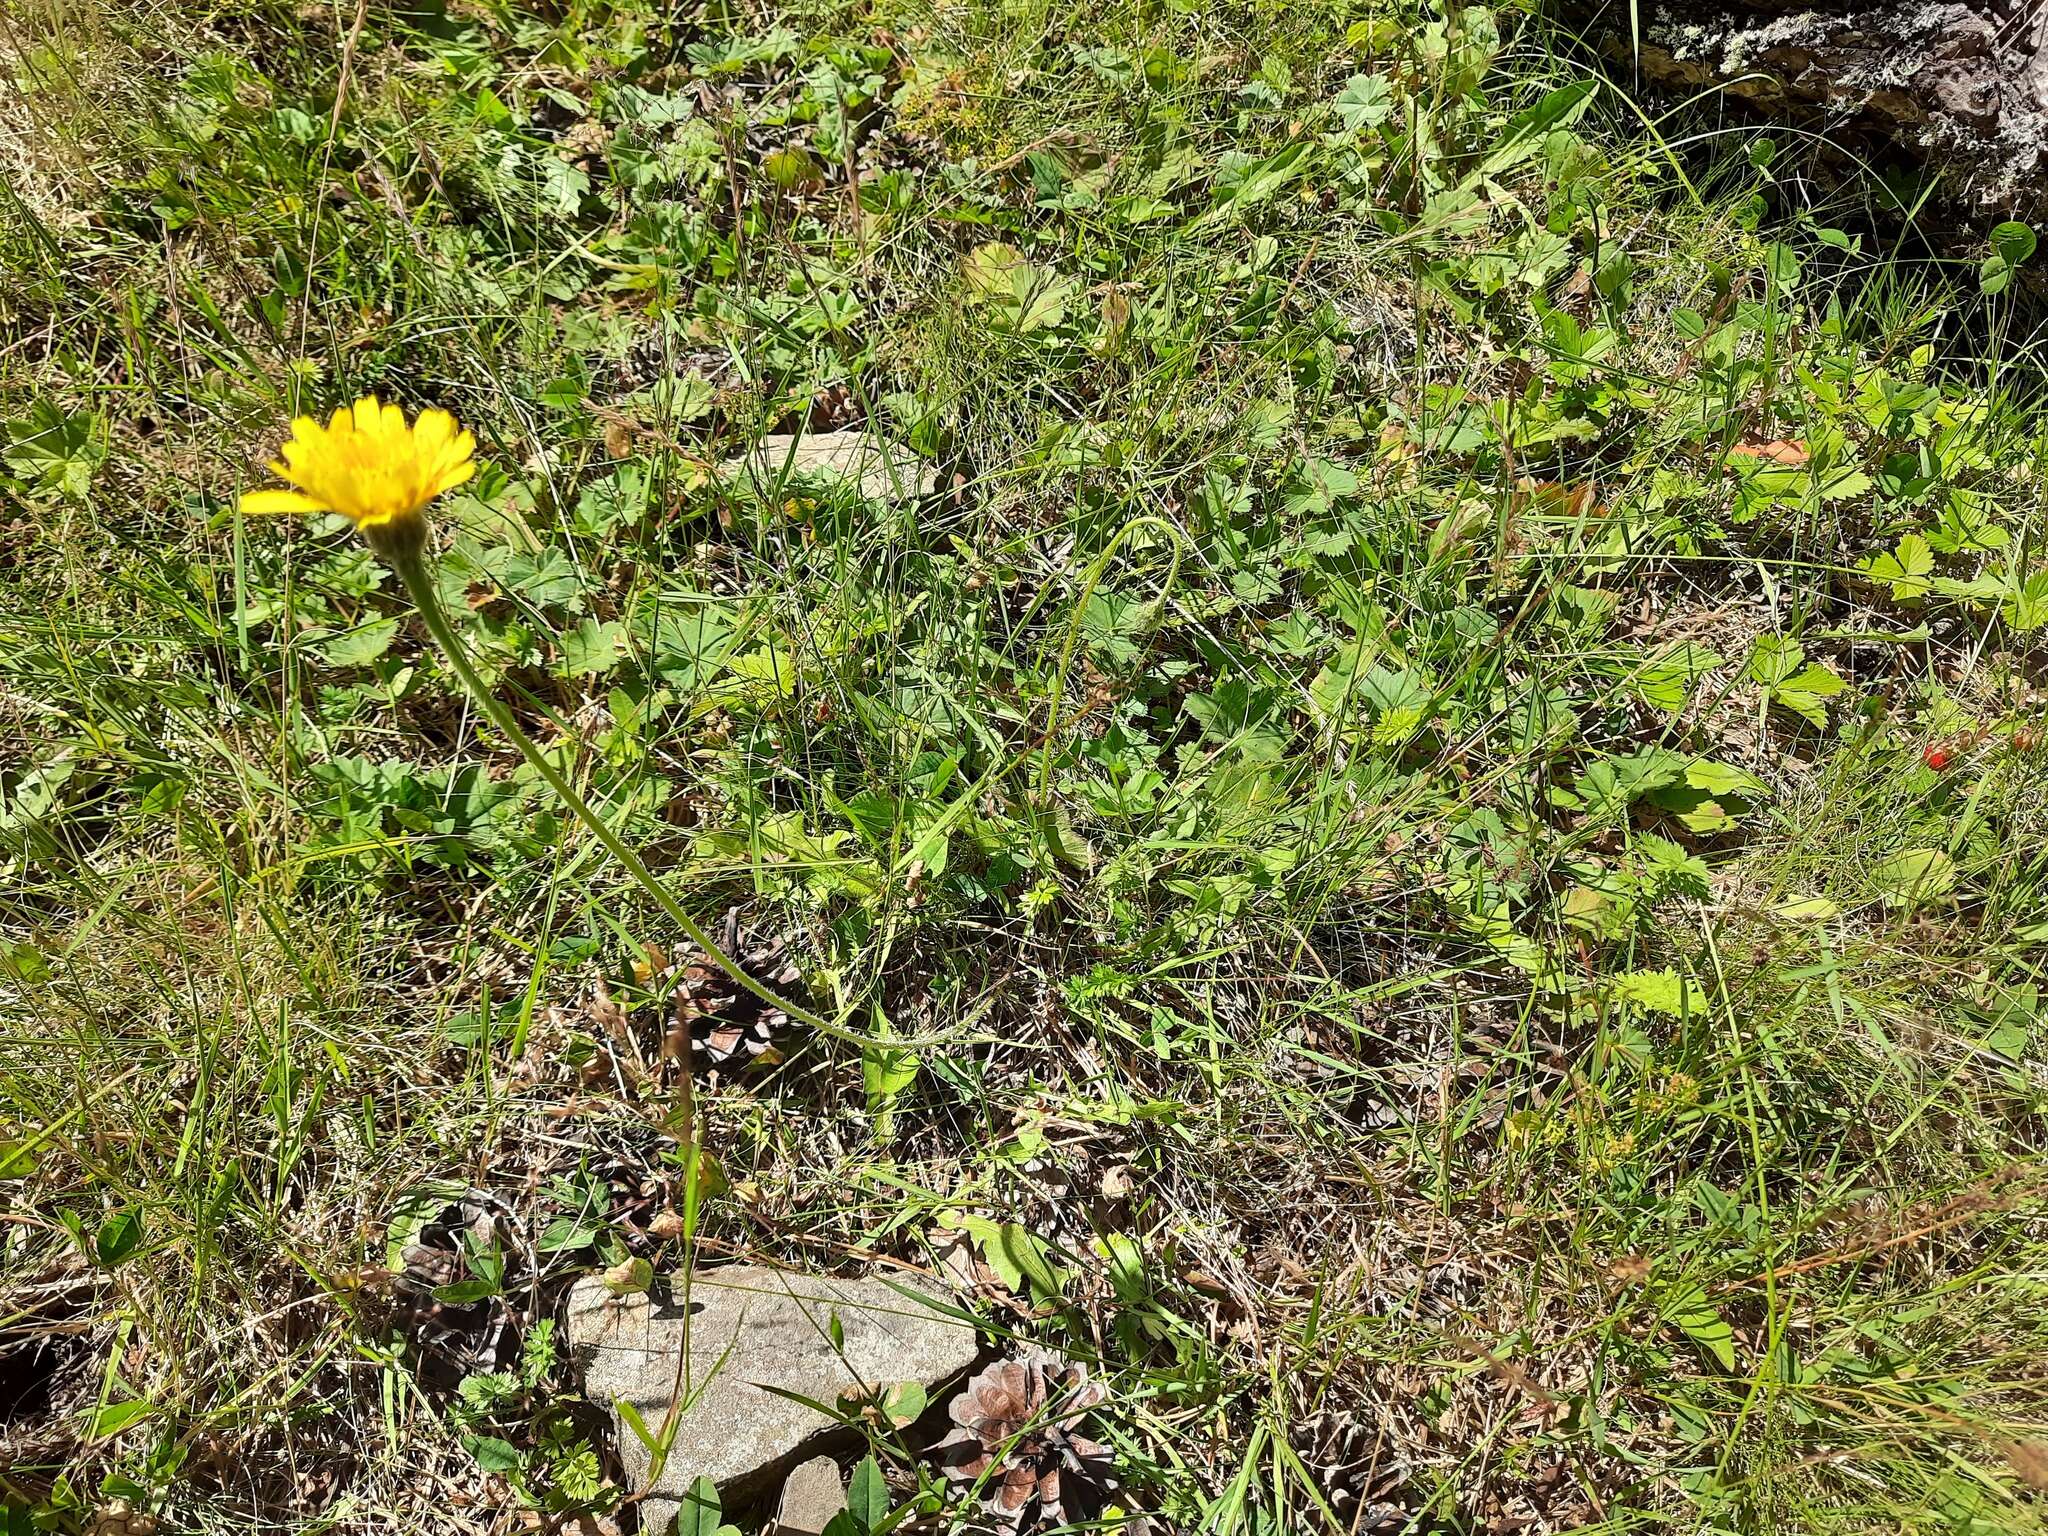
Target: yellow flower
(373,468)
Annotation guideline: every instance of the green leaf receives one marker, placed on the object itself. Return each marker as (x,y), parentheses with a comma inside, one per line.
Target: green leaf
(1914,876)
(54,450)
(118,1238)
(592,648)
(357,647)
(1665,680)
(461,1293)
(23,962)
(115,1417)
(491,110)
(765,672)
(791,167)
(700,1514)
(1526,129)
(1774,658)
(1784,265)
(492,1454)
(2012,245)
(1806,691)
(867,1495)
(1725,779)
(1247,185)
(1365,102)
(2014,241)
(632,1278)
(885,1071)
(1018,1258)
(1905,568)
(905,1403)
(1023,296)
(1698,1320)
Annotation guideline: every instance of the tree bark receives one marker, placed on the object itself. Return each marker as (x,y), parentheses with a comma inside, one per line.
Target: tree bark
(1961,85)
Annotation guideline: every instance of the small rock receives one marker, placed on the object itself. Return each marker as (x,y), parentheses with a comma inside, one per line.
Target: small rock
(811,1497)
(883,471)
(748,1328)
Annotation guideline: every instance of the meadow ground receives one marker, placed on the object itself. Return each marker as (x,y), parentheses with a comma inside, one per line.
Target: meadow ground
(1423,827)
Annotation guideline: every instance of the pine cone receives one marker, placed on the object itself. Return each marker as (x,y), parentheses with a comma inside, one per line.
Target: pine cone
(453,1339)
(1015,1438)
(727,1024)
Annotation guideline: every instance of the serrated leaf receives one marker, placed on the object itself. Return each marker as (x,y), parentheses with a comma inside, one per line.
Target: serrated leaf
(1665,681)
(55,450)
(492,1454)
(1660,991)
(766,670)
(592,648)
(1017,1257)
(1023,296)
(1774,658)
(1725,779)
(357,647)
(1905,569)
(1805,693)
(1365,102)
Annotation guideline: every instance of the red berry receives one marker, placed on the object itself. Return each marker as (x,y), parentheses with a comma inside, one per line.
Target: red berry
(1936,756)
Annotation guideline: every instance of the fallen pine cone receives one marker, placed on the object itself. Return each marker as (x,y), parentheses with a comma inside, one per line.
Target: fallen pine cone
(725,1024)
(1015,1439)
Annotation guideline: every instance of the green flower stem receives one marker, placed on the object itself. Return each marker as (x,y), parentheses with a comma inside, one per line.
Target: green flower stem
(412,570)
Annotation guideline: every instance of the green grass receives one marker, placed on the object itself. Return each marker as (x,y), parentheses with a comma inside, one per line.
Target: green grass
(1436,822)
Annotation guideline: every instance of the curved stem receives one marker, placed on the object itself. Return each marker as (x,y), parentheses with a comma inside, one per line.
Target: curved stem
(412,570)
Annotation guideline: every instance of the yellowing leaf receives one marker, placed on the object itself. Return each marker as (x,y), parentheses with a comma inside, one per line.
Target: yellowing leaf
(1660,991)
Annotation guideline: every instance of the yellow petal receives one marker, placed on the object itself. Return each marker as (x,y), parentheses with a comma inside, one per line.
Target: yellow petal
(433,431)
(448,479)
(281,501)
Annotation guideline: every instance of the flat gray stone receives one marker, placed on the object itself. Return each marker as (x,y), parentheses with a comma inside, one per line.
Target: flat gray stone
(882,470)
(749,1328)
(812,1495)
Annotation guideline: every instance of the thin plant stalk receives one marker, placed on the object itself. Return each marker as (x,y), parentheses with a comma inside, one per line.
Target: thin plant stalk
(412,570)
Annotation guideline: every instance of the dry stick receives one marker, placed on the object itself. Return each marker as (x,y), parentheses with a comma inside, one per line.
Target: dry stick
(1954,1213)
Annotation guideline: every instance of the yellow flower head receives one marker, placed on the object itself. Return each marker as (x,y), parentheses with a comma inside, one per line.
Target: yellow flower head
(374,468)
